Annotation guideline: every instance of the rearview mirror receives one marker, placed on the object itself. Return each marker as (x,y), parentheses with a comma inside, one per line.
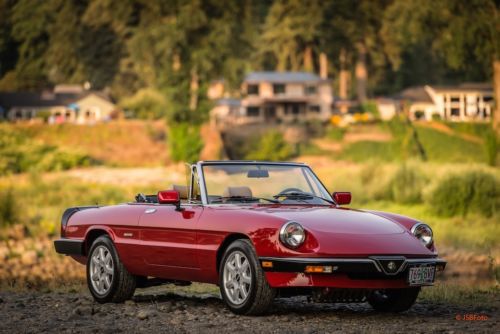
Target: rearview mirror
(258,173)
(170,197)
(342,197)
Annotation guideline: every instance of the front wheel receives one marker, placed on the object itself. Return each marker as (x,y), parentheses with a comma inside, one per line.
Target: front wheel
(107,278)
(242,283)
(393,300)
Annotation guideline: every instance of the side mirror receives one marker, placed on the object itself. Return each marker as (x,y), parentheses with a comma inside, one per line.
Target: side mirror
(342,198)
(170,197)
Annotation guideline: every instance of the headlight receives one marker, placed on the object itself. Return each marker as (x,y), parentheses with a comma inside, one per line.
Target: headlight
(423,233)
(292,234)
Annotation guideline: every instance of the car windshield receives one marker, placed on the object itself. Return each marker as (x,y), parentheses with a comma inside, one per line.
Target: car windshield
(263,183)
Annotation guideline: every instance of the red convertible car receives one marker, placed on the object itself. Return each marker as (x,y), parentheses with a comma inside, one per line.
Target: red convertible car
(258,230)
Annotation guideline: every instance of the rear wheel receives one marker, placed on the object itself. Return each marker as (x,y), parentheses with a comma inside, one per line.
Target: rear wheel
(393,300)
(242,283)
(107,278)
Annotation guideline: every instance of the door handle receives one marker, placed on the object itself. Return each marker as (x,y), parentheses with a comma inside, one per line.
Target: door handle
(149,211)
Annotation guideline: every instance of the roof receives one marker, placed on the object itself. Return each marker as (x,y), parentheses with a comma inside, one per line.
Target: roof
(43,99)
(465,87)
(415,94)
(282,77)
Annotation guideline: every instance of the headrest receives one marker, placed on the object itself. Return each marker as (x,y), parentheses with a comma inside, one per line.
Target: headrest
(183,190)
(237,191)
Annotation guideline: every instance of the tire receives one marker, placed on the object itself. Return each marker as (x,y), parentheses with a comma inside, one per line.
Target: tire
(112,282)
(393,300)
(234,283)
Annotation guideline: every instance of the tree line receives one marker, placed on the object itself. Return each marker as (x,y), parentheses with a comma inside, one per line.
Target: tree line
(165,52)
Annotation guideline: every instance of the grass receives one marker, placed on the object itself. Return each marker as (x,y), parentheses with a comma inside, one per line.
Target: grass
(461,295)
(120,143)
(443,147)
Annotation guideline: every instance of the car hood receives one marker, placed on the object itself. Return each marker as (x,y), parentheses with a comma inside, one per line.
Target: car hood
(333,219)
(349,232)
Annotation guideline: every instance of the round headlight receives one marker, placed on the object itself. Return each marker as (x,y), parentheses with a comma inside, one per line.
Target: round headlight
(292,234)
(423,233)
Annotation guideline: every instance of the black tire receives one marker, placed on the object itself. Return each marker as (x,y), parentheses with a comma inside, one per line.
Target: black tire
(261,295)
(123,283)
(393,300)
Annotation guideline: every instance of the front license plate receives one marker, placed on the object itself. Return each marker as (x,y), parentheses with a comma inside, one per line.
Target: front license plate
(421,275)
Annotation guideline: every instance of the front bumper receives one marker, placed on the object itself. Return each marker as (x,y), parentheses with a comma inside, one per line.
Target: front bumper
(371,272)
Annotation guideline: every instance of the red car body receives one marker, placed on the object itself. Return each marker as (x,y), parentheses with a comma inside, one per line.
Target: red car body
(163,241)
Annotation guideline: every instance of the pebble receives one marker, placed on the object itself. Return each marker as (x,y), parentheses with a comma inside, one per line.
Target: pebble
(142,315)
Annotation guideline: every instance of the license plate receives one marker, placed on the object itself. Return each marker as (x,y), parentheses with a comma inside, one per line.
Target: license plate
(421,275)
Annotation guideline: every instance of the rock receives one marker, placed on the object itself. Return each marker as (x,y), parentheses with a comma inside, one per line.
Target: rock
(142,315)
(130,303)
(1,300)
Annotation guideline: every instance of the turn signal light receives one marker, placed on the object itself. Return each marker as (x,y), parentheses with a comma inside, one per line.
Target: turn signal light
(318,269)
(267,264)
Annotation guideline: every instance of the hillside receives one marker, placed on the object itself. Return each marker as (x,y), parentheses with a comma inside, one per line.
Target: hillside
(121,143)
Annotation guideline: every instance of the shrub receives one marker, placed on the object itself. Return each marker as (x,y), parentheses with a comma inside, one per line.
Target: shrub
(147,104)
(460,194)
(406,185)
(271,147)
(184,142)
(9,210)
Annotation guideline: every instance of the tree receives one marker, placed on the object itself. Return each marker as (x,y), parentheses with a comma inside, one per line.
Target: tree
(290,34)
(350,34)
(464,33)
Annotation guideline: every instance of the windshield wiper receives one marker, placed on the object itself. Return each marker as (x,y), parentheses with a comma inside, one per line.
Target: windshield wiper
(244,199)
(302,196)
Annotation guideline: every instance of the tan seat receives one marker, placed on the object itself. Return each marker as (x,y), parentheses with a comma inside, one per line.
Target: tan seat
(237,191)
(183,190)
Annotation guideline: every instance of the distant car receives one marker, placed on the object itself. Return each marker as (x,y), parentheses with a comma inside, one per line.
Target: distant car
(258,230)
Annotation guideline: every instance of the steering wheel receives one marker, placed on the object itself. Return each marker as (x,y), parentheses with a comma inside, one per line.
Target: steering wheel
(289,190)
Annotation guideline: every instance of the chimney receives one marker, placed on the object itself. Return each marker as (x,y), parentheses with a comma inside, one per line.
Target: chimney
(323,66)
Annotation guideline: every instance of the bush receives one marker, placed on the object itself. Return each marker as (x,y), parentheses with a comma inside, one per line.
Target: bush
(9,209)
(146,104)
(406,185)
(335,133)
(271,147)
(460,194)
(184,142)
(21,154)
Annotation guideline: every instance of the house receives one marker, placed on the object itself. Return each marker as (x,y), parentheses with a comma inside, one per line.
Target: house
(465,102)
(275,96)
(65,103)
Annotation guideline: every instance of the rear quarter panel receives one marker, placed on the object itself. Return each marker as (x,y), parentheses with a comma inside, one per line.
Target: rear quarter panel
(115,221)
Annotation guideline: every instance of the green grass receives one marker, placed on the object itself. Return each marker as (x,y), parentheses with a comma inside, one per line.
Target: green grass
(443,147)
(372,151)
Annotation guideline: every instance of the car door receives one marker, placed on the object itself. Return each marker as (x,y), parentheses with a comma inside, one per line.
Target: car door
(168,236)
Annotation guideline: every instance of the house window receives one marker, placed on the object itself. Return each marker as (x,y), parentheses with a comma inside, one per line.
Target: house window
(310,90)
(295,109)
(253,89)
(253,111)
(278,89)
(454,99)
(314,108)
(455,111)
(487,98)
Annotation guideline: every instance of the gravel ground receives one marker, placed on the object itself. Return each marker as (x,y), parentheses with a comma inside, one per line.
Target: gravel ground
(34,312)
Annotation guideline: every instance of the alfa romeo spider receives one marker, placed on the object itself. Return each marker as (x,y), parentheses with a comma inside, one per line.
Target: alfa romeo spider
(258,230)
